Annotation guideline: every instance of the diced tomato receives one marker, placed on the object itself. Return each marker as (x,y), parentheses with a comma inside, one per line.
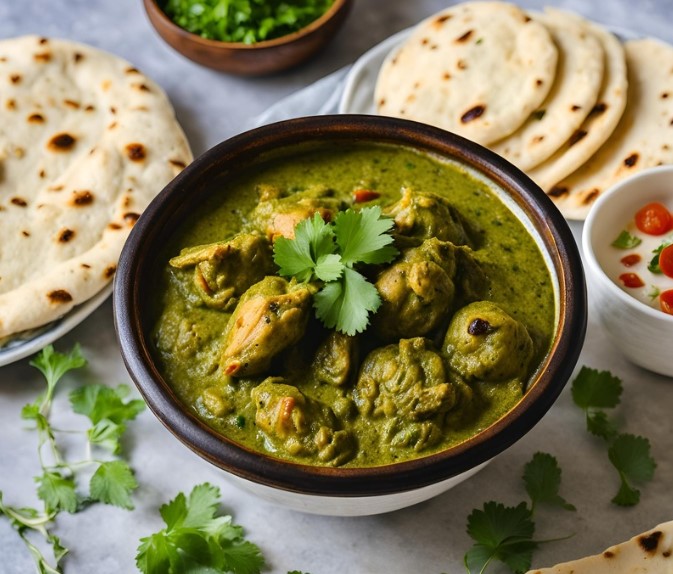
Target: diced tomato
(630,260)
(654,219)
(666,261)
(631,280)
(365,195)
(666,301)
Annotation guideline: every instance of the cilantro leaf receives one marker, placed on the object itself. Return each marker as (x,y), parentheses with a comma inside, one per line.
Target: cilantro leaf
(53,365)
(197,540)
(299,257)
(107,409)
(653,265)
(500,533)
(329,267)
(57,492)
(626,241)
(363,236)
(345,305)
(593,389)
(600,425)
(542,477)
(630,455)
(112,483)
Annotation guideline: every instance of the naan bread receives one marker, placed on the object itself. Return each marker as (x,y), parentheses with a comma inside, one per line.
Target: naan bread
(647,553)
(643,138)
(86,142)
(573,94)
(478,69)
(600,123)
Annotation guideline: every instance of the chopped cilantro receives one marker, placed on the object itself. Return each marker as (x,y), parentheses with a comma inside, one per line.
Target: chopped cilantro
(246,21)
(626,241)
(653,265)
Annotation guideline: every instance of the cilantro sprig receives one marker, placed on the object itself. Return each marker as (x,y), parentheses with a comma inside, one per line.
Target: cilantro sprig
(198,539)
(330,253)
(593,391)
(626,240)
(59,484)
(506,533)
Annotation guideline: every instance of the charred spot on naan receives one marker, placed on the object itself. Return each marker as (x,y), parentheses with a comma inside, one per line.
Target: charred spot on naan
(62,142)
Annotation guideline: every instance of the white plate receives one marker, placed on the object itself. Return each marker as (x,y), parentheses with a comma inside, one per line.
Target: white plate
(20,349)
(358,94)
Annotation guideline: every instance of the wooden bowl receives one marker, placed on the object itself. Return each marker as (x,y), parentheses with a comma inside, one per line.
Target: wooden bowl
(251,59)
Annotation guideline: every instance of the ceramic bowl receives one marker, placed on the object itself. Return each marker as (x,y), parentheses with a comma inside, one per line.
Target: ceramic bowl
(251,59)
(642,332)
(343,490)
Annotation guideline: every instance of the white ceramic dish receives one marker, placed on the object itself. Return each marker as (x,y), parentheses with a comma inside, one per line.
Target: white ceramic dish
(641,332)
(19,349)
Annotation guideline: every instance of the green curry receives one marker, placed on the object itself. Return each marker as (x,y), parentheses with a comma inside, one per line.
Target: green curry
(467,312)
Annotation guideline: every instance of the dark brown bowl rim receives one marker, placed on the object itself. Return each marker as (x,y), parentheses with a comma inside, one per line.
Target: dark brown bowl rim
(550,378)
(334,9)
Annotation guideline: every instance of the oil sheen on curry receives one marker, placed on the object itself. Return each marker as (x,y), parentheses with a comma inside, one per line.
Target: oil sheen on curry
(467,312)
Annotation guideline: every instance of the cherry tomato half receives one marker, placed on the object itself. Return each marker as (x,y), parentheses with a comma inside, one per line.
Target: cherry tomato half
(666,301)
(666,261)
(654,219)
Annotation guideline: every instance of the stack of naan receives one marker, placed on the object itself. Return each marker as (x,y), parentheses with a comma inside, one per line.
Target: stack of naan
(86,141)
(560,97)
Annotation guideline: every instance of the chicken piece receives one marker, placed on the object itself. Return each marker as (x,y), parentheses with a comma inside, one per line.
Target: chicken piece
(407,386)
(484,343)
(277,216)
(297,425)
(335,359)
(270,317)
(419,289)
(426,215)
(224,271)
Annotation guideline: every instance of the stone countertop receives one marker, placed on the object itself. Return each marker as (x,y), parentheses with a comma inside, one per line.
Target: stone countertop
(428,538)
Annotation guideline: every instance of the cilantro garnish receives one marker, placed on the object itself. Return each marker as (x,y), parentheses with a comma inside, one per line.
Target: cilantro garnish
(197,539)
(592,391)
(58,485)
(626,241)
(505,533)
(653,265)
(329,252)
(245,21)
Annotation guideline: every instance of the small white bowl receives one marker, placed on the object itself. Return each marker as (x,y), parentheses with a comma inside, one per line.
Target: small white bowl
(641,332)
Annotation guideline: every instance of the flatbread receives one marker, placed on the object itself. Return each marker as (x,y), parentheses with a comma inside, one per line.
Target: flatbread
(600,123)
(87,141)
(643,138)
(647,553)
(573,94)
(477,69)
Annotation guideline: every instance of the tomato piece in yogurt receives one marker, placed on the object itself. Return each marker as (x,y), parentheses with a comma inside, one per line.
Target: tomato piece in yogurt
(654,219)
(666,301)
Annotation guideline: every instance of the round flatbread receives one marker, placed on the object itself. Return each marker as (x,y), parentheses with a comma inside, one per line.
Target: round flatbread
(573,94)
(646,553)
(643,138)
(478,69)
(86,141)
(600,123)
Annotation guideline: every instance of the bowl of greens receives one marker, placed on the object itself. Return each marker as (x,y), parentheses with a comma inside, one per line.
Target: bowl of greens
(247,37)
(350,314)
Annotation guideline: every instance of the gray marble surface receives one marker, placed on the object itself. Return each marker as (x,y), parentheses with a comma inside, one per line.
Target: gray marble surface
(428,538)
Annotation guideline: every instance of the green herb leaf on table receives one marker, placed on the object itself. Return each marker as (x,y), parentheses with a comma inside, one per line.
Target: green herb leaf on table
(112,483)
(502,533)
(631,456)
(196,539)
(57,492)
(593,389)
(542,477)
(626,241)
(600,425)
